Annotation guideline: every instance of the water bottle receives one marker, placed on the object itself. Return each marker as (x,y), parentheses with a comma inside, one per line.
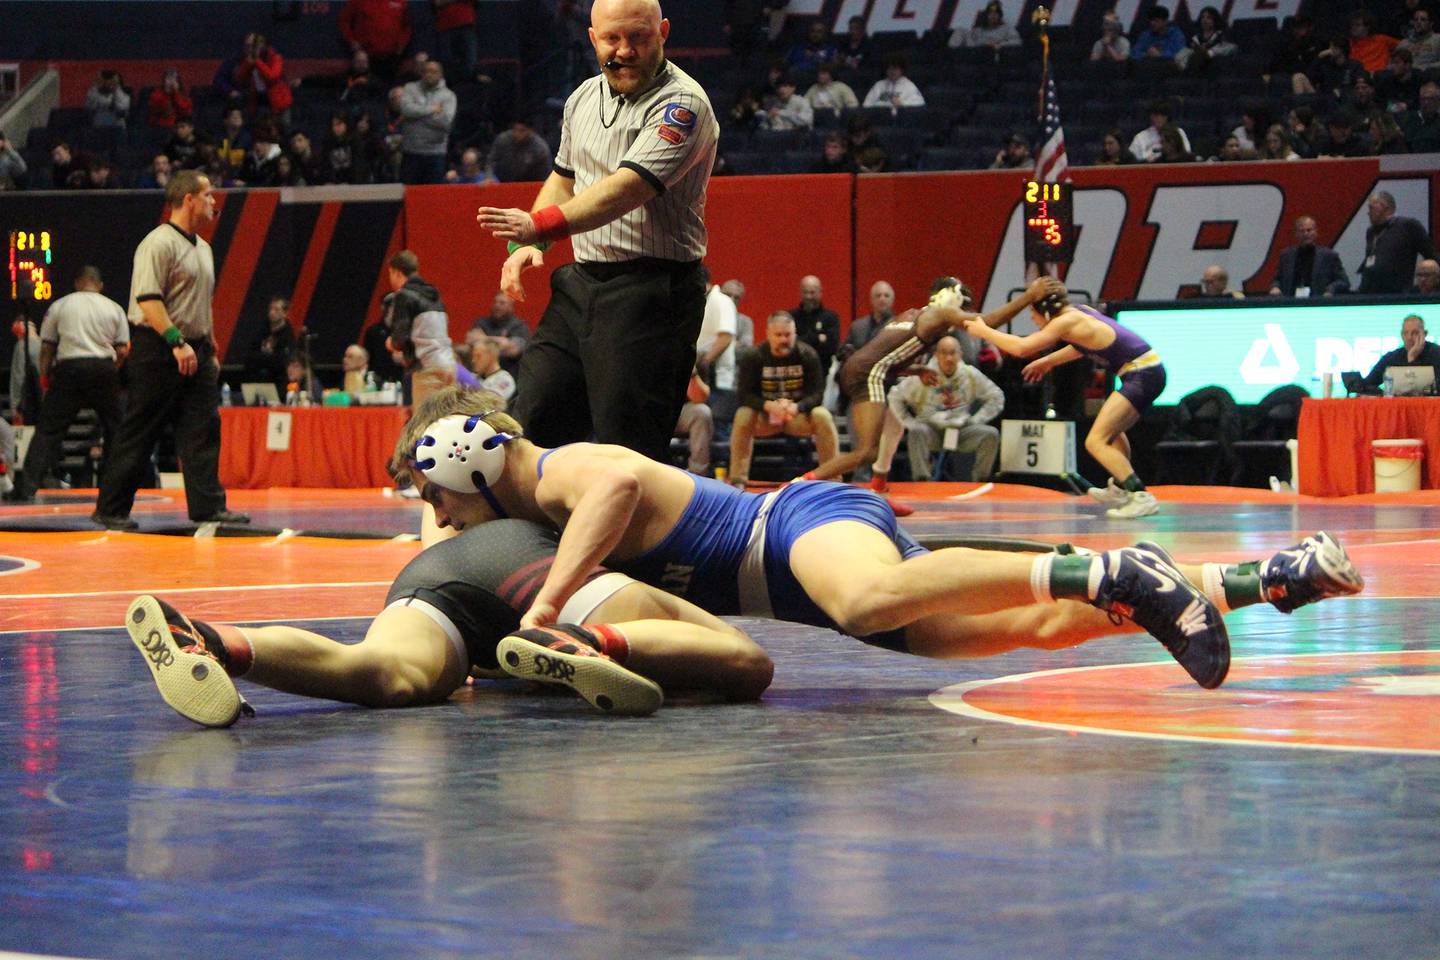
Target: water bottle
(224,394)
(292,394)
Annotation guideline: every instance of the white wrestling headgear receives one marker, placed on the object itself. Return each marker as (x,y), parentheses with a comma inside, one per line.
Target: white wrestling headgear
(463,454)
(950,292)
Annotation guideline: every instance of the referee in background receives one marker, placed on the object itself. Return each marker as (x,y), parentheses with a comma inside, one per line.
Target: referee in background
(613,353)
(174,373)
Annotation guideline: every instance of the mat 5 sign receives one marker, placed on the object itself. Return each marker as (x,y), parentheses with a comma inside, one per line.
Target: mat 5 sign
(1251,350)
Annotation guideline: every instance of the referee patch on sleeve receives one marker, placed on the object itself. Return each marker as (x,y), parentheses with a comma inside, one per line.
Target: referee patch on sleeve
(670,134)
(675,115)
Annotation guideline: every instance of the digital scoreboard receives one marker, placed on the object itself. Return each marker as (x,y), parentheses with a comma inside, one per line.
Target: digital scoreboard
(30,260)
(1049,222)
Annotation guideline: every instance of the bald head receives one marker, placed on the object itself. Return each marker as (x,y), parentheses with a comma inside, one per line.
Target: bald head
(629,41)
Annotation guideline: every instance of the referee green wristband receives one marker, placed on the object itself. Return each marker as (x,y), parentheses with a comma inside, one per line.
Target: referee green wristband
(173,336)
(541,245)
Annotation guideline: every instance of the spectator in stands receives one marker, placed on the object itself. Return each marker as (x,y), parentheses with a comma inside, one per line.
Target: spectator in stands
(807,57)
(65,172)
(744,326)
(1341,137)
(780,385)
(989,32)
(1386,137)
(101,176)
(1215,282)
(1254,119)
(1422,42)
(485,364)
(715,354)
(1361,97)
(459,43)
(872,159)
(288,173)
(861,137)
(1211,42)
(1113,151)
(789,110)
(863,330)
(338,150)
(234,138)
(1014,155)
(1392,245)
(356,367)
(379,27)
(183,147)
(1308,269)
(258,168)
(827,93)
(506,328)
(12,165)
(1414,351)
(157,176)
(169,101)
(1113,46)
(223,83)
(309,165)
(816,324)
(1422,125)
(427,111)
(1173,146)
(519,155)
(1161,40)
(1427,279)
(261,74)
(747,109)
(219,173)
(1276,145)
(359,83)
(1145,145)
(1302,132)
(1368,46)
(106,101)
(1231,150)
(469,169)
(955,397)
(896,90)
(372,153)
(1294,54)
(854,50)
(1332,71)
(1398,87)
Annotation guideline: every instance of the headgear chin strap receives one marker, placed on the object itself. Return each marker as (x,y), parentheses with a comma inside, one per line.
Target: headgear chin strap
(463,454)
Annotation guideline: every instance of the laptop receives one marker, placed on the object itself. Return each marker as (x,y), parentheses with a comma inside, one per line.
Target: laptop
(260,394)
(1354,383)
(1411,381)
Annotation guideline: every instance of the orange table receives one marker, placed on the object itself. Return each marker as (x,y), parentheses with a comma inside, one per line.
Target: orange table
(329,446)
(1335,435)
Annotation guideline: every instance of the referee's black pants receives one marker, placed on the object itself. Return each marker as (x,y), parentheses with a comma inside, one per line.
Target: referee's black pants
(159,395)
(612,355)
(91,382)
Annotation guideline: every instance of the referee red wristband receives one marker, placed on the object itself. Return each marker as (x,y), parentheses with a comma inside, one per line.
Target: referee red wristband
(550,223)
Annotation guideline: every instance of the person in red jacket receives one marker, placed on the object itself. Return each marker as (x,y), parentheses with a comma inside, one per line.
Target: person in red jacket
(169,102)
(262,73)
(379,27)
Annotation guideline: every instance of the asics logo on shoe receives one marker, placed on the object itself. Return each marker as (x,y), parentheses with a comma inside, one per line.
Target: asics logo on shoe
(156,649)
(1192,621)
(553,668)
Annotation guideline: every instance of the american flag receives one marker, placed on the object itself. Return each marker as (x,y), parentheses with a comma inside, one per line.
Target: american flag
(1050,164)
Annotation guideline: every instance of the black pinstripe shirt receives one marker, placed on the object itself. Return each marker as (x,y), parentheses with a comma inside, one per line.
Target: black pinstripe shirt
(667,133)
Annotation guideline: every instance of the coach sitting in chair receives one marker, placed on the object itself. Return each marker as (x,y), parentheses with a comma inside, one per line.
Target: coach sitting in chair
(960,399)
(779,386)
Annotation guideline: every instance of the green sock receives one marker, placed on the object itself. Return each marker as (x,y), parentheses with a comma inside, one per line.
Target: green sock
(1132,483)
(1233,586)
(1069,576)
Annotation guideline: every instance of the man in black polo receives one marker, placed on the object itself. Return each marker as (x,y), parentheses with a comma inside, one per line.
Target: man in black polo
(613,352)
(174,373)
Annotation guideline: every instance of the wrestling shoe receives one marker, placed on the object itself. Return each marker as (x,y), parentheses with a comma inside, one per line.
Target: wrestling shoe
(880,482)
(898,508)
(190,675)
(1314,569)
(1110,495)
(1141,503)
(1141,584)
(566,655)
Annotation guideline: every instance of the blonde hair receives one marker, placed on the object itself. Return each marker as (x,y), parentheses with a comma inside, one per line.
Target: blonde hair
(452,400)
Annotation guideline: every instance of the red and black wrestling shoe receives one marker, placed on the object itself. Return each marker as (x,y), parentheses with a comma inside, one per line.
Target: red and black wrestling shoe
(569,656)
(188,669)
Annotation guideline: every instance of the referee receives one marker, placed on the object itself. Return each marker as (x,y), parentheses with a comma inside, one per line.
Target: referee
(613,353)
(174,373)
(83,341)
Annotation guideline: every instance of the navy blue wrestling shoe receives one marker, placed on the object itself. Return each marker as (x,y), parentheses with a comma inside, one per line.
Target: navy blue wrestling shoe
(1315,569)
(1141,584)
(190,675)
(566,655)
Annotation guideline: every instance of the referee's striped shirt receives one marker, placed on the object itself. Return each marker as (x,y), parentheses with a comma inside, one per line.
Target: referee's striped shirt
(667,133)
